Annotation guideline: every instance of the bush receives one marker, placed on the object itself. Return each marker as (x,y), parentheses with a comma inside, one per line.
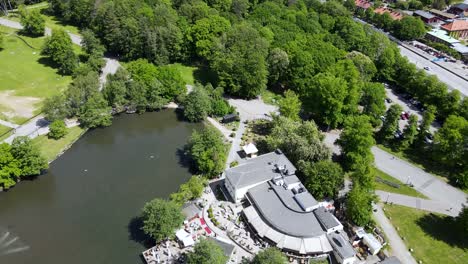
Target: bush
(232,134)
(58,129)
(234,163)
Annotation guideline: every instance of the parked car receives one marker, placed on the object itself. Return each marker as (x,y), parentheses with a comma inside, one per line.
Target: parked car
(427,68)
(403,116)
(388,100)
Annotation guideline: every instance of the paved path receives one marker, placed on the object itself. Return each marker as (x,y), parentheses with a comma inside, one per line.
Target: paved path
(415,202)
(398,247)
(38,125)
(427,184)
(8,124)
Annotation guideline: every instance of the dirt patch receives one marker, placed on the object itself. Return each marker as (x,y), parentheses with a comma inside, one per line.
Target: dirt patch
(17,106)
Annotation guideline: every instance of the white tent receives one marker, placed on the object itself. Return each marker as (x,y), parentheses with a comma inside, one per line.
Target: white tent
(250,150)
(185,238)
(372,243)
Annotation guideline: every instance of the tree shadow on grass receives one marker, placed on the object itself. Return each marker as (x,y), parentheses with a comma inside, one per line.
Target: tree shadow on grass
(46,61)
(135,232)
(443,228)
(204,75)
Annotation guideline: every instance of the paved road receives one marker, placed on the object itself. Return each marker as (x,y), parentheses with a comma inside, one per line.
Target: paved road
(427,184)
(8,124)
(452,80)
(398,247)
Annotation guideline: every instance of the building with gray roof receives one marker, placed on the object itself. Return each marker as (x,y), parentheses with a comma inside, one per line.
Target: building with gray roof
(342,250)
(281,210)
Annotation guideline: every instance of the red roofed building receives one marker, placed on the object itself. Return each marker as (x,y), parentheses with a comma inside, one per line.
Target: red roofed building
(393,14)
(457,29)
(363,4)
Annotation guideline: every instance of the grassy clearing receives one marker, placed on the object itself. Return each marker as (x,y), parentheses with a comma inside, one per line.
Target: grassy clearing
(50,21)
(270,97)
(51,148)
(431,236)
(187,72)
(4,129)
(24,70)
(404,189)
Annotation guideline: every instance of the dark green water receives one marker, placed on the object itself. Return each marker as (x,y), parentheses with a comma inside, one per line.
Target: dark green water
(80,211)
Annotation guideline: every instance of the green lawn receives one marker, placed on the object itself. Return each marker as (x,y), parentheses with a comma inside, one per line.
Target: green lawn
(404,189)
(432,237)
(50,21)
(4,129)
(186,72)
(270,97)
(51,148)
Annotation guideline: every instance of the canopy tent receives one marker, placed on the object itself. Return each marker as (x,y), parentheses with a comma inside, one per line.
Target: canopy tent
(185,238)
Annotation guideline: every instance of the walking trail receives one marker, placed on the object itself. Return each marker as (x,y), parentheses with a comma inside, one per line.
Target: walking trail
(38,125)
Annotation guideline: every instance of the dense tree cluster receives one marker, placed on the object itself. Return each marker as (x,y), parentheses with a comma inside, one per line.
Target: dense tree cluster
(190,190)
(207,251)
(207,151)
(19,160)
(161,218)
(59,48)
(205,101)
(270,255)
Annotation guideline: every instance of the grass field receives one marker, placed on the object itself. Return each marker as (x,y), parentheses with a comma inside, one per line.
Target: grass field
(404,189)
(431,236)
(25,78)
(51,148)
(270,97)
(186,72)
(4,129)
(50,21)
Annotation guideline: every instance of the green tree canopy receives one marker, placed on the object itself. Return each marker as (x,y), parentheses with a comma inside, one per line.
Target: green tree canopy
(32,21)
(323,179)
(270,255)
(208,151)
(55,108)
(161,218)
(359,205)
(190,190)
(409,28)
(450,142)
(290,105)
(207,251)
(95,112)
(9,167)
(390,124)
(197,105)
(298,140)
(373,101)
(30,160)
(59,49)
(58,129)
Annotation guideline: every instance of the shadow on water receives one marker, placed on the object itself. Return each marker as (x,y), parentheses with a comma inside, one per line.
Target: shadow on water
(441,228)
(136,233)
(184,160)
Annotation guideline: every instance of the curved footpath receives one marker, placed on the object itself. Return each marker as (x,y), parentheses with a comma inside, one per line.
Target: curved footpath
(38,125)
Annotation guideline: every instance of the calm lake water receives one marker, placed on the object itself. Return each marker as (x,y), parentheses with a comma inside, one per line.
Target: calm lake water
(80,211)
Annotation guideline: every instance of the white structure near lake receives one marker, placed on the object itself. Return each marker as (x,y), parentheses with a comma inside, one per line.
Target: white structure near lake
(281,211)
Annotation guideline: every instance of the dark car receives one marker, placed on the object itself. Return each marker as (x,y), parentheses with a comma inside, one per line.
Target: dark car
(388,100)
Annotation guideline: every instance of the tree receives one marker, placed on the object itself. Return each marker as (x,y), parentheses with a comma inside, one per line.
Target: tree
(450,143)
(373,101)
(207,251)
(326,98)
(390,124)
(409,133)
(462,222)
(290,105)
(359,205)
(409,28)
(364,64)
(90,43)
(95,112)
(278,62)
(32,21)
(205,33)
(59,49)
(78,93)
(208,152)
(115,90)
(190,190)
(323,179)
(161,218)
(55,108)
(9,167)
(428,118)
(240,61)
(58,129)
(30,160)
(356,141)
(197,105)
(298,140)
(270,255)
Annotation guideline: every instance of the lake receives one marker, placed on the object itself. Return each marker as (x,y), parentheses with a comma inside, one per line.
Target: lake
(81,211)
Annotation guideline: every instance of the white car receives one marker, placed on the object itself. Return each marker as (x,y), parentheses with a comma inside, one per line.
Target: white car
(427,68)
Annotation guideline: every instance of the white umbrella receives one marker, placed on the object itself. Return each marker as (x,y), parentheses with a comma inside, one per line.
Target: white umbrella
(169,254)
(158,260)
